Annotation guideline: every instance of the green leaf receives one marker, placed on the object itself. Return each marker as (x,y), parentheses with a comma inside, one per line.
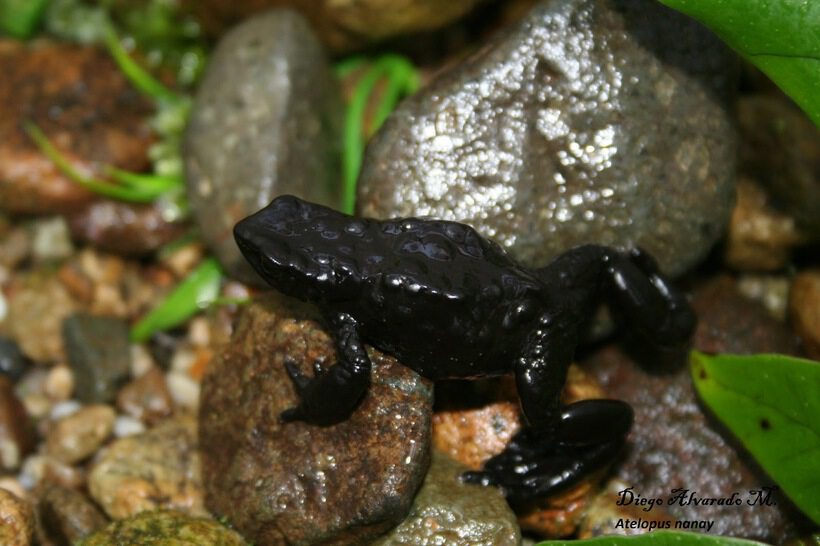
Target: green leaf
(19,18)
(781,37)
(658,538)
(772,404)
(197,291)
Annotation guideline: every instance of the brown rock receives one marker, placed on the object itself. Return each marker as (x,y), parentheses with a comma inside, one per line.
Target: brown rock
(290,483)
(341,25)
(760,237)
(157,469)
(146,398)
(38,303)
(473,435)
(76,436)
(16,520)
(85,106)
(67,515)
(17,436)
(674,445)
(123,228)
(804,310)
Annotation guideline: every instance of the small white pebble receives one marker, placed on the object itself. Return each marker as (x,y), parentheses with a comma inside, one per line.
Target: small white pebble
(64,409)
(33,470)
(59,384)
(182,360)
(141,360)
(125,425)
(52,240)
(10,483)
(199,332)
(184,390)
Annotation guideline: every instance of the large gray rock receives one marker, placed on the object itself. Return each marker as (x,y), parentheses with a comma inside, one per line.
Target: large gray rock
(591,121)
(266,121)
(295,483)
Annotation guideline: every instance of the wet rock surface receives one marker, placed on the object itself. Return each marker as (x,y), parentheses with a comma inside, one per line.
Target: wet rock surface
(446,511)
(781,149)
(16,520)
(341,25)
(13,364)
(590,122)
(98,351)
(147,398)
(67,515)
(123,228)
(17,435)
(300,484)
(164,527)
(157,469)
(266,121)
(673,444)
(76,436)
(85,106)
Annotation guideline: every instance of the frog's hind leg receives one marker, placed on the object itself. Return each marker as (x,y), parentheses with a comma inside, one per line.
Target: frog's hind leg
(330,397)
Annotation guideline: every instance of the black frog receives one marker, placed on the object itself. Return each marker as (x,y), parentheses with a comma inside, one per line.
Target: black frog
(449,303)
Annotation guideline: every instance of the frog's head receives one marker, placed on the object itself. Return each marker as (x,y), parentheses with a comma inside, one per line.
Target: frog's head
(292,244)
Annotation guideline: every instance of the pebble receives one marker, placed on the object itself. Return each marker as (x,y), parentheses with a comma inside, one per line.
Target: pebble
(760,238)
(13,364)
(674,444)
(446,511)
(13,486)
(79,435)
(86,108)
(159,468)
(125,229)
(99,353)
(141,361)
(341,25)
(161,527)
(184,390)
(17,434)
(267,102)
(770,290)
(127,426)
(59,383)
(64,409)
(16,520)
(147,398)
(804,310)
(38,303)
(297,483)
(589,121)
(51,240)
(67,515)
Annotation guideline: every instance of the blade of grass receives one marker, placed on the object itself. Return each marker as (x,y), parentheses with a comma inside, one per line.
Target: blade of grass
(197,291)
(151,182)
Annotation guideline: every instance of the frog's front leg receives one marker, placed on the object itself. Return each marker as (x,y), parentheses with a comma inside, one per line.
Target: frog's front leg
(562,445)
(330,397)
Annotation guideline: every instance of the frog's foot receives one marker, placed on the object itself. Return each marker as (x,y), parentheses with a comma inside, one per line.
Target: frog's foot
(326,398)
(541,461)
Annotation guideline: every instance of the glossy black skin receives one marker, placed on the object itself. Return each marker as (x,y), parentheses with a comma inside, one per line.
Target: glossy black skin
(449,303)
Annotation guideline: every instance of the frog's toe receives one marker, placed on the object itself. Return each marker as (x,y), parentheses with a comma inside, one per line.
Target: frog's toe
(300,380)
(292,414)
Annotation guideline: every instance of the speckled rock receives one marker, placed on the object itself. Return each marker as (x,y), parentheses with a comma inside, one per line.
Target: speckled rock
(592,121)
(266,121)
(340,24)
(804,309)
(13,364)
(760,237)
(67,515)
(294,483)
(673,444)
(157,469)
(17,435)
(446,511)
(147,398)
(38,303)
(781,149)
(16,520)
(99,353)
(78,435)
(86,108)
(164,527)
(123,228)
